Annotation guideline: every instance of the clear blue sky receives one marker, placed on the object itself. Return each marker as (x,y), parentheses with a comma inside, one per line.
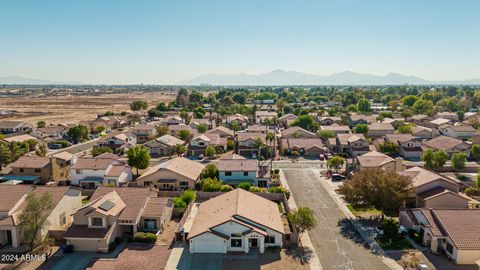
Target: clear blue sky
(113,41)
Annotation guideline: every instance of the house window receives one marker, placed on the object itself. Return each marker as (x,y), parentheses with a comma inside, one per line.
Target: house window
(236,243)
(228,173)
(21,169)
(38,170)
(63,219)
(269,239)
(150,224)
(79,171)
(97,221)
(147,183)
(449,248)
(245,173)
(183,184)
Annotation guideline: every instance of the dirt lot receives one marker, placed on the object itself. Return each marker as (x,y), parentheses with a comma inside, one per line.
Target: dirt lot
(73,108)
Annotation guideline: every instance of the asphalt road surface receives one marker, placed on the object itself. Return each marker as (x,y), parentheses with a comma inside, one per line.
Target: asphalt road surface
(337,243)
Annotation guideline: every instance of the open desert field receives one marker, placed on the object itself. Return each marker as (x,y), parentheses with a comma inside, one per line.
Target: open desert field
(73,108)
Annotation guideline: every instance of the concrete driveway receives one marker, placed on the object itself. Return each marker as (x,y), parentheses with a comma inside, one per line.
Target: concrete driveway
(199,261)
(337,243)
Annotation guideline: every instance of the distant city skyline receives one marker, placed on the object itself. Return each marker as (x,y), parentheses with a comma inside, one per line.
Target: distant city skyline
(170,42)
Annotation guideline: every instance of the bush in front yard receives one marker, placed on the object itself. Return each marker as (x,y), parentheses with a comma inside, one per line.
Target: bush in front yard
(179,203)
(141,237)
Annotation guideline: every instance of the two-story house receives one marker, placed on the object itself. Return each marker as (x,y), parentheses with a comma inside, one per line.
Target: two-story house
(376,130)
(260,116)
(408,146)
(200,142)
(224,132)
(162,146)
(351,144)
(31,170)
(122,140)
(246,145)
(235,171)
(144,133)
(297,132)
(447,144)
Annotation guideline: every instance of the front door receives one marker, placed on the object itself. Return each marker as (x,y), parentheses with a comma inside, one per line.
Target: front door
(253,242)
(9,237)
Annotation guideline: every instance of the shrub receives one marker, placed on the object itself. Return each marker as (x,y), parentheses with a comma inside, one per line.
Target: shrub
(141,237)
(189,196)
(280,190)
(255,189)
(100,150)
(246,186)
(179,203)
(277,171)
(63,143)
(225,188)
(211,185)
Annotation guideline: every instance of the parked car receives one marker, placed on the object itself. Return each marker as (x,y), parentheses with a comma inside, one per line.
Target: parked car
(321,157)
(338,177)
(55,146)
(328,156)
(401,230)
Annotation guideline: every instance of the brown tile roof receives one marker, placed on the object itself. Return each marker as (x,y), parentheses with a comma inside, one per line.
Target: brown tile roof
(11,124)
(167,140)
(257,128)
(335,128)
(422,176)
(381,126)
(179,165)
(346,138)
(374,159)
(19,138)
(305,143)
(155,206)
(63,155)
(117,168)
(92,163)
(443,142)
(144,127)
(82,231)
(462,128)
(33,162)
(236,203)
(292,130)
(242,165)
(221,129)
(10,195)
(133,197)
(399,138)
(180,127)
(241,137)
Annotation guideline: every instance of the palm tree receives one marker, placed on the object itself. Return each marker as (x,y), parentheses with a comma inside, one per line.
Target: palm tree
(235,126)
(258,143)
(179,149)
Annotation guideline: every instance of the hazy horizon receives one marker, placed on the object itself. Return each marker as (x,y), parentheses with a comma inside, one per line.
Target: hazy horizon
(156,42)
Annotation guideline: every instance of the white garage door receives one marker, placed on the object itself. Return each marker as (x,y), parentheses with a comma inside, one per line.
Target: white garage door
(208,246)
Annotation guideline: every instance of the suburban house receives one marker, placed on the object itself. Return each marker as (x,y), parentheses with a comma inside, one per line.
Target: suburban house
(376,159)
(421,119)
(200,142)
(461,132)
(246,143)
(380,129)
(144,133)
(104,169)
(449,145)
(352,144)
(194,123)
(260,116)
(395,122)
(175,174)
(61,164)
(237,221)
(297,132)
(241,119)
(172,120)
(356,119)
(447,115)
(424,132)
(258,129)
(113,212)
(49,132)
(436,123)
(303,146)
(336,129)
(19,138)
(174,130)
(235,171)
(224,132)
(31,170)
(162,146)
(65,201)
(123,140)
(287,119)
(433,190)
(408,146)
(14,127)
(453,232)
(330,120)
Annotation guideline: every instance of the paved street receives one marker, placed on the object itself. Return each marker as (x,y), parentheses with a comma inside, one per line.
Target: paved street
(336,241)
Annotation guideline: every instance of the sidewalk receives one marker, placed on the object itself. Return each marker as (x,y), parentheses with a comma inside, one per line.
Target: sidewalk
(306,241)
(367,234)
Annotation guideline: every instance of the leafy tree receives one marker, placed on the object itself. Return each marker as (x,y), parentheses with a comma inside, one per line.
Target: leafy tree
(307,122)
(185,116)
(363,105)
(179,203)
(5,155)
(202,128)
(210,152)
(376,188)
(152,113)
(235,126)
(422,106)
(109,113)
(440,157)
(476,151)
(100,150)
(162,107)
(178,149)
(184,135)
(78,133)
(41,124)
(477,180)
(405,129)
(427,158)
(390,229)
(161,130)
(302,219)
(199,112)
(41,150)
(461,115)
(352,108)
(134,118)
(33,218)
(138,157)
(336,163)
(361,128)
(389,148)
(211,185)
(327,134)
(195,97)
(138,105)
(188,196)
(245,185)
(408,101)
(459,160)
(100,129)
(210,171)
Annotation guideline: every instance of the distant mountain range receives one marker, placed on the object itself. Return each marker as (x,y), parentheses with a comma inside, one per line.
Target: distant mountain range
(23,80)
(281,77)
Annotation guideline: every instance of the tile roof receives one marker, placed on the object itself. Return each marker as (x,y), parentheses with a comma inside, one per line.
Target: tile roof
(399,138)
(179,165)
(92,163)
(83,231)
(422,176)
(241,165)
(19,138)
(33,162)
(305,143)
(374,159)
(294,129)
(335,128)
(155,206)
(10,195)
(232,206)
(133,197)
(381,126)
(245,136)
(221,129)
(462,128)
(346,138)
(443,142)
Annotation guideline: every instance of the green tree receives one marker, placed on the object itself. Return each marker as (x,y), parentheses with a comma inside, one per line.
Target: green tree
(210,152)
(327,134)
(307,122)
(188,196)
(199,112)
(361,128)
(162,107)
(211,185)
(100,129)
(33,218)
(5,155)
(100,150)
(184,135)
(389,148)
(363,105)
(109,113)
(138,157)
(134,118)
(41,124)
(302,219)
(405,129)
(459,160)
(245,185)
(161,130)
(336,163)
(352,108)
(422,106)
(408,101)
(41,150)
(138,105)
(210,171)
(384,190)
(427,158)
(440,157)
(390,229)
(78,133)
(178,149)
(476,151)
(202,128)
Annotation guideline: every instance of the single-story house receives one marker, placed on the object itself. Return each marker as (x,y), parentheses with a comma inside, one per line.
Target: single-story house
(297,132)
(304,146)
(380,129)
(461,132)
(447,144)
(163,145)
